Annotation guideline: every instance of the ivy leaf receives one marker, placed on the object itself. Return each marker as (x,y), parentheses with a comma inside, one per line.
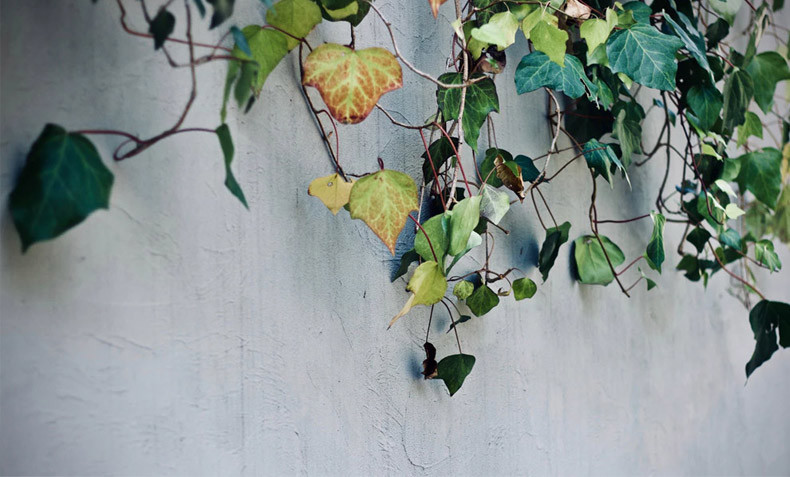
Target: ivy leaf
(481,99)
(240,41)
(764,253)
(161,27)
(494,204)
(536,70)
(440,150)
(351,81)
(761,174)
(645,55)
(461,319)
(297,17)
(454,369)
(726,8)
(406,259)
(463,220)
(716,32)
(463,289)
(639,10)
(427,285)
(482,300)
(529,173)
(600,158)
(730,238)
(488,166)
(692,39)
(591,262)
(698,237)
(765,318)
(549,39)
(628,128)
(555,237)
(351,11)
(705,101)
(752,126)
(226,143)
(738,92)
(524,288)
(767,69)
(595,32)
(62,182)
(383,201)
(500,30)
(435,229)
(332,190)
(510,175)
(435,4)
(655,248)
(474,240)
(223,9)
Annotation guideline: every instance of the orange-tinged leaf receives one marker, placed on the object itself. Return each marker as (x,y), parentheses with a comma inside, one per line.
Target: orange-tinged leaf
(383,201)
(351,81)
(435,4)
(512,180)
(332,190)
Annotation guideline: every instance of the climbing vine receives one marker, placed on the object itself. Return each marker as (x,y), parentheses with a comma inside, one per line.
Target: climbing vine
(604,67)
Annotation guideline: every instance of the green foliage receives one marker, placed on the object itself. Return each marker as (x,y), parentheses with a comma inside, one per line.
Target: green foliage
(454,369)
(591,260)
(555,237)
(482,300)
(766,318)
(161,27)
(63,181)
(226,142)
(481,99)
(644,54)
(537,70)
(655,248)
(524,288)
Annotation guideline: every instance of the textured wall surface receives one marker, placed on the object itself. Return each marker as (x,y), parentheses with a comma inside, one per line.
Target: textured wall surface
(178,333)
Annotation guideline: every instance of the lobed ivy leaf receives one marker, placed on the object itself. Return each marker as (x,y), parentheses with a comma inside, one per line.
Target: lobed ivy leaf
(698,237)
(494,204)
(482,300)
(595,32)
(765,254)
(655,248)
(730,238)
(383,201)
(738,92)
(62,182)
(481,99)
(499,30)
(223,9)
(524,288)
(332,190)
(639,11)
(591,263)
(705,101)
(550,39)
(427,285)
(536,70)
(351,81)
(766,70)
(161,27)
(440,150)
(761,174)
(752,126)
(296,17)
(555,237)
(226,143)
(765,319)
(692,39)
(463,219)
(645,55)
(463,289)
(454,369)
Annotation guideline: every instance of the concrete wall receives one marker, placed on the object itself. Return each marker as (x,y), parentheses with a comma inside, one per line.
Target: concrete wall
(179,334)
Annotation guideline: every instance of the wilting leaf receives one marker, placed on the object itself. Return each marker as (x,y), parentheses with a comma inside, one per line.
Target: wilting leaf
(435,4)
(427,285)
(332,190)
(577,9)
(555,237)
(383,201)
(63,181)
(351,81)
(510,178)
(454,369)
(524,288)
(655,248)
(429,364)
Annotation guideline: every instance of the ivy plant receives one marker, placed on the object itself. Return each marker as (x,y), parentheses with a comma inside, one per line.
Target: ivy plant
(604,66)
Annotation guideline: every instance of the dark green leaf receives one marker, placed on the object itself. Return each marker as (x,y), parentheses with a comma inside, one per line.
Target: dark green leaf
(161,27)
(481,99)
(588,121)
(201,8)
(765,318)
(555,237)
(528,170)
(641,12)
(226,142)
(767,69)
(62,182)
(524,288)
(454,369)
(407,259)
(645,55)
(440,150)
(716,32)
(706,102)
(698,237)
(738,91)
(731,238)
(241,40)
(223,9)
(591,261)
(655,248)
(690,264)
(764,253)
(461,319)
(761,174)
(536,71)
(600,158)
(482,300)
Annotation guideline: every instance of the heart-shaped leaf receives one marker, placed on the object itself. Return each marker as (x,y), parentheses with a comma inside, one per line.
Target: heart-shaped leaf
(332,190)
(454,369)
(351,81)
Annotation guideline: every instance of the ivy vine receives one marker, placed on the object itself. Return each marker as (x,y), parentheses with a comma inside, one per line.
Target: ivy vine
(600,63)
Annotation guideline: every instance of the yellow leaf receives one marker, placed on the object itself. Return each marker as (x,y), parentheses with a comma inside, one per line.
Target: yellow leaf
(351,81)
(332,190)
(427,285)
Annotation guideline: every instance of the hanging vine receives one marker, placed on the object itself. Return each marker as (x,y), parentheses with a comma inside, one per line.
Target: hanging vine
(600,64)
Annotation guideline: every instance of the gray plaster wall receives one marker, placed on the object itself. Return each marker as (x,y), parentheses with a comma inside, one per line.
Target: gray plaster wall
(179,334)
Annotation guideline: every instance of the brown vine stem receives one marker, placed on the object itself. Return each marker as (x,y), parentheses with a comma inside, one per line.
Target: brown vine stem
(457,155)
(455,328)
(594,228)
